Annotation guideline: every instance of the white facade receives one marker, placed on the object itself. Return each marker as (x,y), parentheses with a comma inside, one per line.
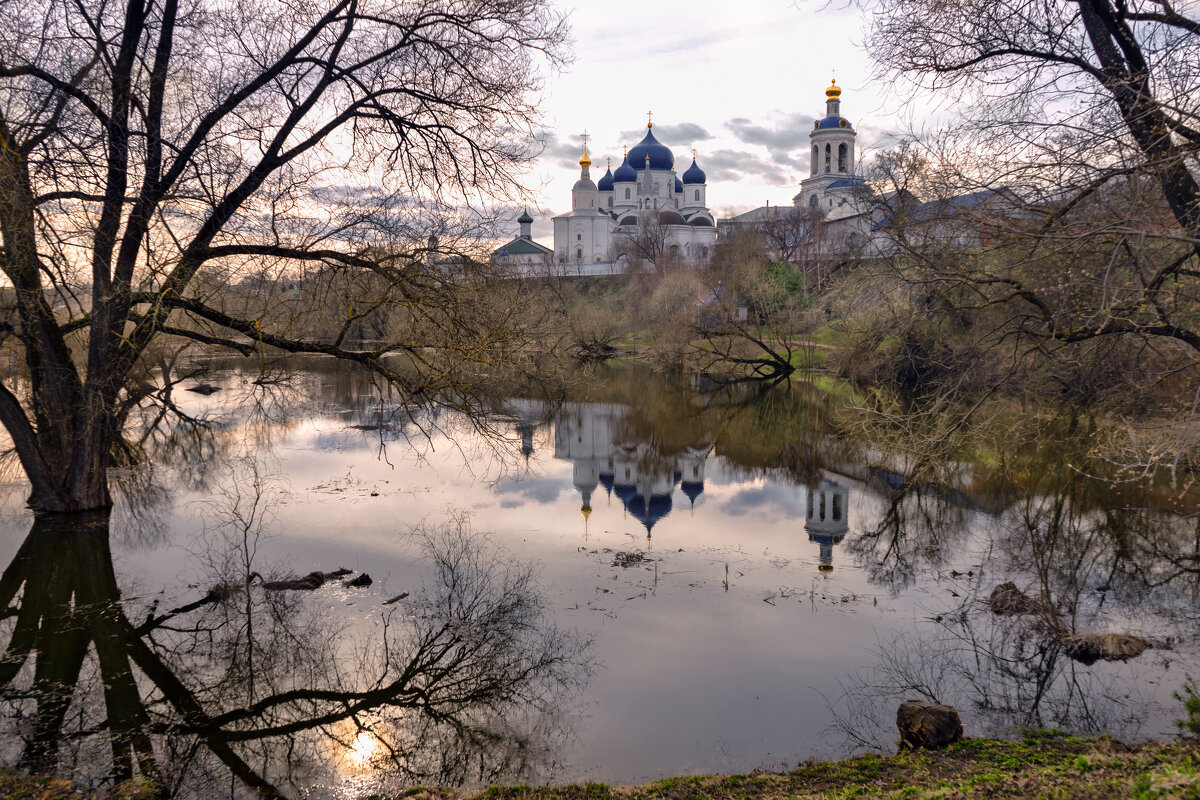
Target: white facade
(643,206)
(833,185)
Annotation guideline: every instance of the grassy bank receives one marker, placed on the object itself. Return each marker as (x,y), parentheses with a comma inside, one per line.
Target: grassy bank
(1040,766)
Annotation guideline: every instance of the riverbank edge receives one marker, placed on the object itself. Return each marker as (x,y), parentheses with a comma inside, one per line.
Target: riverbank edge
(1040,765)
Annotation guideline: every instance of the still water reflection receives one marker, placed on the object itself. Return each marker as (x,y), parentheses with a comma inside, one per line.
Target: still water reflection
(643,578)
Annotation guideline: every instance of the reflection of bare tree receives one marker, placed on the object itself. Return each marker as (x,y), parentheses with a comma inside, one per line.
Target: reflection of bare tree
(918,529)
(1083,569)
(251,683)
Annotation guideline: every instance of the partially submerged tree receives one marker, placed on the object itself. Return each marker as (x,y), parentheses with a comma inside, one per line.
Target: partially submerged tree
(144,146)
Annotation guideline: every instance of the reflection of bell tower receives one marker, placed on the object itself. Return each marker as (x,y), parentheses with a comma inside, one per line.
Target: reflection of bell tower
(825,519)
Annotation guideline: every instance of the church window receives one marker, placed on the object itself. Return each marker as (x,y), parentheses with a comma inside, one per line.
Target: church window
(837,508)
(610,202)
(579,237)
(626,192)
(592,203)
(842,150)
(696,197)
(812,201)
(579,254)
(816,159)
(828,156)
(704,252)
(821,513)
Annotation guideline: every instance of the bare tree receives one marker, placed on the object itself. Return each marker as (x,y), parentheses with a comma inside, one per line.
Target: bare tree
(1051,234)
(144,144)
(793,234)
(650,245)
(1109,85)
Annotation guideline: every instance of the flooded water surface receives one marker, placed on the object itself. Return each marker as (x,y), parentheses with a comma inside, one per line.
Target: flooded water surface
(318,595)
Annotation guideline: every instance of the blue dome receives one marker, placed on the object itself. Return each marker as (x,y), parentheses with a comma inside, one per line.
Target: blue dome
(678,186)
(605,184)
(694,174)
(833,122)
(660,155)
(625,173)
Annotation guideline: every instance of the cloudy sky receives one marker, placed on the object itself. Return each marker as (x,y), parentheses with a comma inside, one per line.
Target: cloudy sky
(741,82)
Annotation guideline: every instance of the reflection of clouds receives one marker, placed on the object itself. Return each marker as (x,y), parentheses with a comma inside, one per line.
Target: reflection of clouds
(536,489)
(781,497)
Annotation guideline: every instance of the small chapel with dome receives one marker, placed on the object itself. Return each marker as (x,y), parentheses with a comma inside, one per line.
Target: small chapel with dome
(643,201)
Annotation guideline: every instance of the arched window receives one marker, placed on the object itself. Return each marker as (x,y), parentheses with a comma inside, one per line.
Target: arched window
(816,158)
(837,508)
(842,153)
(579,237)
(626,192)
(812,201)
(828,156)
(821,513)
(697,196)
(579,254)
(610,202)
(704,252)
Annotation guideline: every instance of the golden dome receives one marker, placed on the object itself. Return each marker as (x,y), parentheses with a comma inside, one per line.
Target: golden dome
(833,90)
(586,511)
(825,568)
(586,161)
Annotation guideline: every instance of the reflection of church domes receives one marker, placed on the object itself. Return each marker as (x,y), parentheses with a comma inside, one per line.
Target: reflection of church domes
(649,510)
(625,493)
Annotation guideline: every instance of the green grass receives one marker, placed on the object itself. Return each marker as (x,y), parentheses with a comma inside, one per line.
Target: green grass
(1043,764)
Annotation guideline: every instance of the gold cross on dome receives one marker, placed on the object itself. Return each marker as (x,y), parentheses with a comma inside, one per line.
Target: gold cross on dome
(585,138)
(649,119)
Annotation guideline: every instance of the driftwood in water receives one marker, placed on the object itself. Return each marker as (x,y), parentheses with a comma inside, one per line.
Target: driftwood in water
(313,580)
(1088,648)
(1007,600)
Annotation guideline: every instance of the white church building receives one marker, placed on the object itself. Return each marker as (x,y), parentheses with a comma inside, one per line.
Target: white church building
(642,206)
